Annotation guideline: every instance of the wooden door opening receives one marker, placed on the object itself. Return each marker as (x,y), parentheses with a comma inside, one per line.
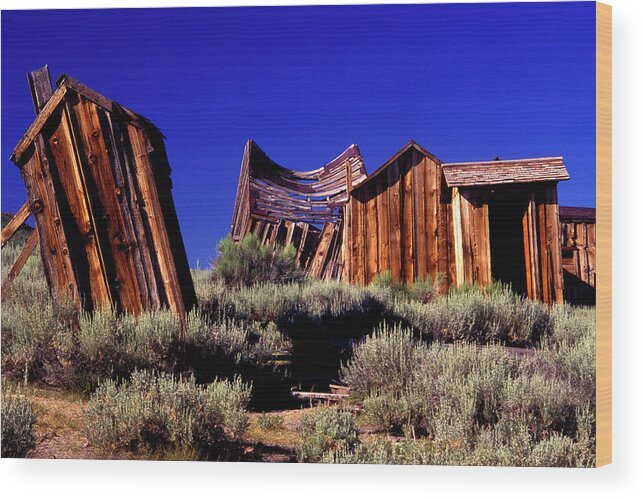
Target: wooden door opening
(506,211)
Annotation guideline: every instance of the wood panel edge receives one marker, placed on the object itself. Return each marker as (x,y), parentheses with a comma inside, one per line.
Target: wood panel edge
(604,234)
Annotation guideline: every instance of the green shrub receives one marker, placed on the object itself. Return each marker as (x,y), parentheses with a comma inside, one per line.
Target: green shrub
(421,290)
(113,343)
(37,340)
(118,344)
(384,361)
(479,317)
(18,421)
(157,412)
(475,405)
(269,421)
(383,451)
(251,262)
(310,301)
(425,290)
(323,431)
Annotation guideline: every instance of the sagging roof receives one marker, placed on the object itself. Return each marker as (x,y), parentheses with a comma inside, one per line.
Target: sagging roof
(576,214)
(513,171)
(277,193)
(65,85)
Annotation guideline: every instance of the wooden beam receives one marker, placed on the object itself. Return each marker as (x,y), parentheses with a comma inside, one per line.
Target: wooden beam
(319,396)
(16,222)
(457,238)
(27,249)
(40,86)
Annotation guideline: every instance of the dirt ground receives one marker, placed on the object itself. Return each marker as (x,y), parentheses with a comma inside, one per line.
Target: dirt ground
(59,435)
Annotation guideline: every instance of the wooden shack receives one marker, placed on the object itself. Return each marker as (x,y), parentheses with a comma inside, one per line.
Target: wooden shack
(303,208)
(578,242)
(416,216)
(99,188)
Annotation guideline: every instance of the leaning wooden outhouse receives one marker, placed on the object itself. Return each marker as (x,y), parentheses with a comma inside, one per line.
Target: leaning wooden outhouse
(99,188)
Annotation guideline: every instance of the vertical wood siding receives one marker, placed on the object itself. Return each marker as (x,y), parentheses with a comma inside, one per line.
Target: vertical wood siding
(399,222)
(98,184)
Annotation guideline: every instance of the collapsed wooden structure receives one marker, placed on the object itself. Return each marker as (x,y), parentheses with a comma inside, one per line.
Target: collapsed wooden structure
(303,208)
(99,188)
(418,217)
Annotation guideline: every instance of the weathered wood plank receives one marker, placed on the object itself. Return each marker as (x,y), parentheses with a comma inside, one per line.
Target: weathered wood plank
(535,253)
(40,86)
(544,254)
(48,203)
(553,240)
(29,137)
(434,216)
(26,251)
(362,240)
(154,215)
(408,222)
(119,240)
(16,222)
(422,219)
(467,252)
(383,227)
(395,220)
(123,161)
(456,199)
(61,142)
(531,291)
(372,242)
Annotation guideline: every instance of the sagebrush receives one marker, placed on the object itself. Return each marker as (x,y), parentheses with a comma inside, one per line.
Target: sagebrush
(18,422)
(155,412)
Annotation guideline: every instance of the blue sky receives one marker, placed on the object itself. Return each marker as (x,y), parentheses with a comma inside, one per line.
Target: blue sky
(467,81)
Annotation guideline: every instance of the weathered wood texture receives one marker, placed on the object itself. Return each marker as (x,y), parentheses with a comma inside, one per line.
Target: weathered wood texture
(405,219)
(99,187)
(26,251)
(398,220)
(305,209)
(16,222)
(578,241)
(414,217)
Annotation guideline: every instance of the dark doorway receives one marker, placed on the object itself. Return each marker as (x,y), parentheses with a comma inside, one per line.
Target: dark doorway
(506,210)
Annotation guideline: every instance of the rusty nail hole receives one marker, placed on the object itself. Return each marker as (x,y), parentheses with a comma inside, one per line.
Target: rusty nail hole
(65,251)
(55,140)
(94,133)
(92,158)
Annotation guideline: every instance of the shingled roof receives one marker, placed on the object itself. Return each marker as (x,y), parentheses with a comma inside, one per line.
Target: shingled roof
(505,172)
(576,214)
